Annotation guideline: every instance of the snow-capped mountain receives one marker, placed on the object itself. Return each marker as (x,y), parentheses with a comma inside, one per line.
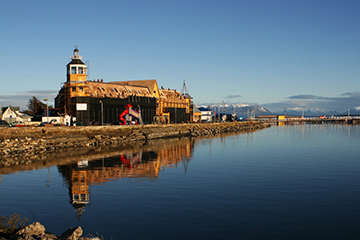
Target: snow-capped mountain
(241,109)
(308,112)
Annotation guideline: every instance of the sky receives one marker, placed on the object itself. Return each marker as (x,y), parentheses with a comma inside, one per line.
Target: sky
(276,53)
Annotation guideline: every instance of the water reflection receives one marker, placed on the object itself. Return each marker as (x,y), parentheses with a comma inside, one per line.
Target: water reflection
(253,184)
(142,164)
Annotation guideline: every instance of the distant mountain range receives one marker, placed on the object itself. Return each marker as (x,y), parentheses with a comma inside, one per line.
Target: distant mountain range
(244,109)
(241,109)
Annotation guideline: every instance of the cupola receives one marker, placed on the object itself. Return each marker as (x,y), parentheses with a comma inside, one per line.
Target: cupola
(76,54)
(76,70)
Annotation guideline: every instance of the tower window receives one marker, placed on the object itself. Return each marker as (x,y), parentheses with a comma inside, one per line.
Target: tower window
(73,89)
(73,70)
(81,70)
(80,89)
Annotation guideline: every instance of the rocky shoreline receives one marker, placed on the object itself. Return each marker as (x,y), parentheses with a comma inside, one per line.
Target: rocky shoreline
(36,231)
(22,146)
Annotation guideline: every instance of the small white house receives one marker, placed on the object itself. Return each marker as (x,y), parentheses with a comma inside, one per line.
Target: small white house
(13,114)
(206,114)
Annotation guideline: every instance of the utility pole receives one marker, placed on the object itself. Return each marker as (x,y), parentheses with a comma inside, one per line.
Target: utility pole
(140,118)
(102,115)
(210,112)
(47,114)
(224,109)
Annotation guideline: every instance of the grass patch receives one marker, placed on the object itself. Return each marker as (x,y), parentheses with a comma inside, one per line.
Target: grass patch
(12,223)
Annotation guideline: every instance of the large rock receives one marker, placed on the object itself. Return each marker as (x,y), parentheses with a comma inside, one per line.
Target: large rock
(48,236)
(72,234)
(34,229)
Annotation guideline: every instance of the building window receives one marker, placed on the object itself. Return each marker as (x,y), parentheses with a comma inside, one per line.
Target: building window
(73,70)
(80,89)
(81,71)
(73,89)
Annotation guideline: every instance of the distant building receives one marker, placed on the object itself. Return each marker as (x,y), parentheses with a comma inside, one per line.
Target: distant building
(206,114)
(13,114)
(96,100)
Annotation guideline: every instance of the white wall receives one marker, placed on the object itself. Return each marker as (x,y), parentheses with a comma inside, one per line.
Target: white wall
(206,115)
(59,120)
(11,116)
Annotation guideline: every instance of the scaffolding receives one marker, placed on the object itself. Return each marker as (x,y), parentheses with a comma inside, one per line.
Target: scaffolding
(185,92)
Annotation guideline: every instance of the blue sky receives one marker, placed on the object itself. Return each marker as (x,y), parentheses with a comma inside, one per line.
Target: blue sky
(280,54)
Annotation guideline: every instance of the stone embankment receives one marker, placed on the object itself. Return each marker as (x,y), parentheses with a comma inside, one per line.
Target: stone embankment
(25,145)
(36,231)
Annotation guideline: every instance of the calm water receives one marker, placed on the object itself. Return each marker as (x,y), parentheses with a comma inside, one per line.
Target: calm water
(288,182)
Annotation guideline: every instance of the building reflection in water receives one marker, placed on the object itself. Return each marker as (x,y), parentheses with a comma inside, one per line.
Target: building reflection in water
(143,164)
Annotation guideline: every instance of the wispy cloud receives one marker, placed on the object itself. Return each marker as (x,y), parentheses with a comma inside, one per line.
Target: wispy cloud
(351,94)
(21,98)
(308,97)
(236,96)
(349,100)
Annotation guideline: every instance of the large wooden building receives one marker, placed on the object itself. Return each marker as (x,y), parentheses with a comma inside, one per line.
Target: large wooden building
(99,101)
